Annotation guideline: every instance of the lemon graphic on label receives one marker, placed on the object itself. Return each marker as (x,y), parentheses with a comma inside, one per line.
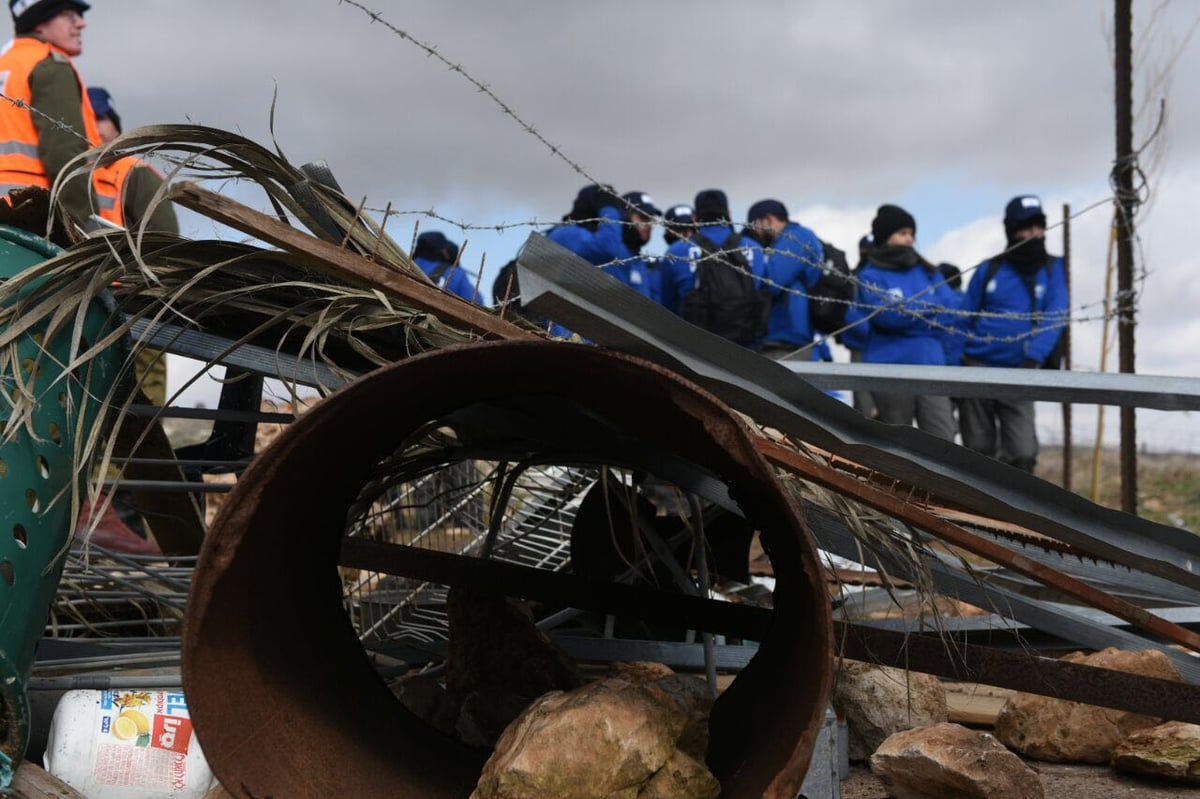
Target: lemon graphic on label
(124,728)
(143,723)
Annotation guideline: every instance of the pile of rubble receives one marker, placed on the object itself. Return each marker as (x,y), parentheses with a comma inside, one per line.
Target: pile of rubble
(898,722)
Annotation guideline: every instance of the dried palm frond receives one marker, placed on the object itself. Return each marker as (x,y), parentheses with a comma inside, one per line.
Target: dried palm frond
(243,292)
(248,293)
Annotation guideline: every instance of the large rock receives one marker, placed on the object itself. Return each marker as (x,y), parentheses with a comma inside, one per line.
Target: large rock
(1170,750)
(949,761)
(880,701)
(693,702)
(682,777)
(1072,732)
(690,695)
(607,740)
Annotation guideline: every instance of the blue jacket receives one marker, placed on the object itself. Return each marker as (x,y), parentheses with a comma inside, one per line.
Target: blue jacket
(913,321)
(454,279)
(793,265)
(1029,322)
(599,247)
(676,273)
(631,270)
(752,251)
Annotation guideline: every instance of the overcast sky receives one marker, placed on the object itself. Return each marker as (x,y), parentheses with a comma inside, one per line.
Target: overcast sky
(948,108)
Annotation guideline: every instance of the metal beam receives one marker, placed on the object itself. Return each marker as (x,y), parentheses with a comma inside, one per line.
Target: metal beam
(1044,385)
(561,286)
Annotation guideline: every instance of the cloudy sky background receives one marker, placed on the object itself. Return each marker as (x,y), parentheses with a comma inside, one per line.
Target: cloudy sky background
(947,108)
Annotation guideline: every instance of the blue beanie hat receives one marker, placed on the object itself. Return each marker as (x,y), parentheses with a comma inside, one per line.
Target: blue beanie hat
(101,102)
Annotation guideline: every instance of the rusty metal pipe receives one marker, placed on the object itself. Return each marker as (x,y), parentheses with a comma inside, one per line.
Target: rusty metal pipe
(284,699)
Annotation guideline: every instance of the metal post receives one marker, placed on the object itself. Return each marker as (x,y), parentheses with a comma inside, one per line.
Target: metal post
(1126,200)
(1066,364)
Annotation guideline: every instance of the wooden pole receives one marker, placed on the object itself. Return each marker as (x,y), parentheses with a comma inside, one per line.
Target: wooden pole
(1126,199)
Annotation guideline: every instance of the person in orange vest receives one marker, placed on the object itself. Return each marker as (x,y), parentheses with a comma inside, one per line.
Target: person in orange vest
(46,118)
(125,189)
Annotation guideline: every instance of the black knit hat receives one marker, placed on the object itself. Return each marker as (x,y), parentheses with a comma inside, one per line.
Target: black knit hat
(711,206)
(28,14)
(889,219)
(434,246)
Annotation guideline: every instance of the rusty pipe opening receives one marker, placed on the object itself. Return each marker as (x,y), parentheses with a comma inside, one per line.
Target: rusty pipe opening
(284,698)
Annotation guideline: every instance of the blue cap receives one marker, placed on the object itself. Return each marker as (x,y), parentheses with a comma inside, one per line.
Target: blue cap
(642,203)
(101,100)
(1024,211)
(679,215)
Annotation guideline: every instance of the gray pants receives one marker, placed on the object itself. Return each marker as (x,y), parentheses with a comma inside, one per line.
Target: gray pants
(1000,429)
(934,415)
(864,403)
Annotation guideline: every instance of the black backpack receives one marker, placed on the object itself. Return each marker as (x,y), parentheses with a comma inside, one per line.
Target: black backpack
(725,300)
(1055,359)
(829,300)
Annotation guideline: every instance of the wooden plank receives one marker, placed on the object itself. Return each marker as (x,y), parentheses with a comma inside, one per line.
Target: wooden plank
(325,258)
(31,781)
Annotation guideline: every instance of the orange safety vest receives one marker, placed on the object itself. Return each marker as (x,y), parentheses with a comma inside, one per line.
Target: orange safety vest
(20,164)
(109,184)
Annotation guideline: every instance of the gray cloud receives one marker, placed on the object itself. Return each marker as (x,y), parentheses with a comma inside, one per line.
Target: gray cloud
(832,107)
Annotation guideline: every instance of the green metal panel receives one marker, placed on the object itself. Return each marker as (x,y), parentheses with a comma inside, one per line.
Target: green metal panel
(37,472)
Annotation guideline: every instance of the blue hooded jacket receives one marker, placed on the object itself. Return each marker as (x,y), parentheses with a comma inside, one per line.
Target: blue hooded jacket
(1020,320)
(599,247)
(908,313)
(454,279)
(793,263)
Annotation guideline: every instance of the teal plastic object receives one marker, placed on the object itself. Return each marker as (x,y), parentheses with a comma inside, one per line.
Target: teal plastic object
(36,476)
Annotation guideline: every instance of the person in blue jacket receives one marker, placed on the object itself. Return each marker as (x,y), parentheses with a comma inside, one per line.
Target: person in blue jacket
(438,257)
(592,228)
(1015,311)
(794,257)
(675,270)
(638,213)
(909,314)
(854,337)
(713,222)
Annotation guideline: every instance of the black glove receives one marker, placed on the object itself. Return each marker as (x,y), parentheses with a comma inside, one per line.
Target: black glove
(1030,363)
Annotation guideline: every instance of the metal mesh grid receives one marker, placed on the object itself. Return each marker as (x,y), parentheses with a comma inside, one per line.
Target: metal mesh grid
(518,513)
(104,593)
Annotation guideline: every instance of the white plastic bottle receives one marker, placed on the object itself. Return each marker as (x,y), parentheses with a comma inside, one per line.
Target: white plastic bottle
(126,744)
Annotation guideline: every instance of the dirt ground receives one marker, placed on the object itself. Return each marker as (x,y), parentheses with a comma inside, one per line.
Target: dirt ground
(1061,781)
